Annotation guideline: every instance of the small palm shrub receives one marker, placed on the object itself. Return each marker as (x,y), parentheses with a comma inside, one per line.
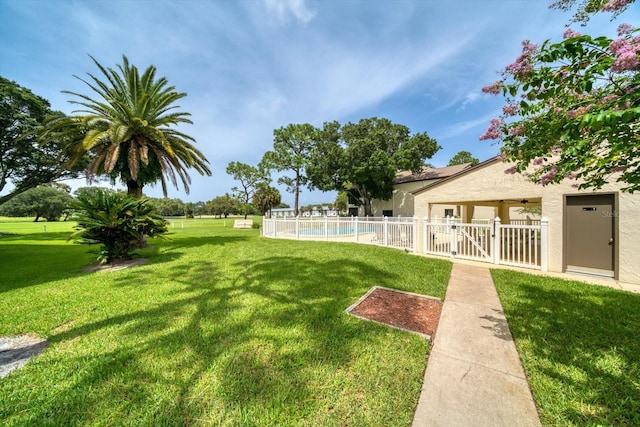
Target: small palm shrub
(117,221)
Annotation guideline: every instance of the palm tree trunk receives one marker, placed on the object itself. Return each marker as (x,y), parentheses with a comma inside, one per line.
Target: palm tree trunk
(134,189)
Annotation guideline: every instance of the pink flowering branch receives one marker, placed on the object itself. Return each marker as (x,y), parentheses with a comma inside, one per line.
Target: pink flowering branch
(573,109)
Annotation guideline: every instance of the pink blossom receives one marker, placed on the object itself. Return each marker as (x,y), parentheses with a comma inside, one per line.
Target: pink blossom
(609,98)
(619,169)
(495,129)
(571,175)
(523,65)
(580,111)
(494,88)
(516,130)
(615,5)
(569,34)
(510,109)
(537,161)
(511,170)
(549,176)
(572,114)
(627,53)
(624,29)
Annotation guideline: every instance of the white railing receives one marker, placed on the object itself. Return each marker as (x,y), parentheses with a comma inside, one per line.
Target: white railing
(446,220)
(390,232)
(517,245)
(492,241)
(527,221)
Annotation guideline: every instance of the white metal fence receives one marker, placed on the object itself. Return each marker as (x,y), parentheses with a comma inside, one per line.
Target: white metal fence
(397,232)
(487,241)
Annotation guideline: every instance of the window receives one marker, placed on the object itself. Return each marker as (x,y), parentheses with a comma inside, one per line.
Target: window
(448,212)
(388,213)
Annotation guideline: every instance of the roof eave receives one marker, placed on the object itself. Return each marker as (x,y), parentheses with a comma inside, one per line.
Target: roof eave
(457,175)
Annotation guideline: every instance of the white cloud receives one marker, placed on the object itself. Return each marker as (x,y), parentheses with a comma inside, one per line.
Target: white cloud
(284,10)
(460,128)
(250,67)
(471,98)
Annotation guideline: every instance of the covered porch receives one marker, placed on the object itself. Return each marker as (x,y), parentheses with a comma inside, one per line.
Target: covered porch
(510,211)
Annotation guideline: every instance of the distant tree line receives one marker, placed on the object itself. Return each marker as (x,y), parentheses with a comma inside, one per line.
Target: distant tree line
(114,137)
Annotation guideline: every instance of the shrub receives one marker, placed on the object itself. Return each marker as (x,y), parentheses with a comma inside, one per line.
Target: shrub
(117,221)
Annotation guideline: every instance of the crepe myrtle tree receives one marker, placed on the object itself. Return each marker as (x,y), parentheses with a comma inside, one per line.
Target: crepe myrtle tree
(585,8)
(573,109)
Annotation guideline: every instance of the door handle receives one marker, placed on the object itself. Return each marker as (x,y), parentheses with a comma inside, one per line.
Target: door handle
(611,240)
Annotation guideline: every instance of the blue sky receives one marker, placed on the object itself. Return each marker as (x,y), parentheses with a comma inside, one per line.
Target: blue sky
(250,67)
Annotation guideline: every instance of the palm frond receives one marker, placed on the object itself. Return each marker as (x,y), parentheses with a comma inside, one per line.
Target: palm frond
(128,127)
(111,157)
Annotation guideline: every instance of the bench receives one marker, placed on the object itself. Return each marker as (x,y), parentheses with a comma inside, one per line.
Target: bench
(243,223)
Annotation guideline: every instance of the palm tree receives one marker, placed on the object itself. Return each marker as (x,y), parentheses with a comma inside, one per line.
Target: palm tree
(127,131)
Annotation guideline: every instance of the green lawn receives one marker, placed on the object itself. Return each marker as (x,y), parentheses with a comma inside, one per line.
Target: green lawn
(580,347)
(221,327)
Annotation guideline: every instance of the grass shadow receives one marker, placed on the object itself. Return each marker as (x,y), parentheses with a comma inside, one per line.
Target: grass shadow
(52,236)
(219,330)
(28,265)
(194,242)
(255,335)
(577,341)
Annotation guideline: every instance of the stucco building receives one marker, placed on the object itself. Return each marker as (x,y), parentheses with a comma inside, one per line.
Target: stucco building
(589,231)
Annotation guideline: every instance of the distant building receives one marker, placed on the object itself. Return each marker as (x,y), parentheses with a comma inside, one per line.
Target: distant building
(289,212)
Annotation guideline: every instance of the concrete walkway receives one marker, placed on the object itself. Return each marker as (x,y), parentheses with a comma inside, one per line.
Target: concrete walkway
(474,376)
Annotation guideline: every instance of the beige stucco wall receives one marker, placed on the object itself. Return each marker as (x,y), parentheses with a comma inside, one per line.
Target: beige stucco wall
(491,183)
(401,202)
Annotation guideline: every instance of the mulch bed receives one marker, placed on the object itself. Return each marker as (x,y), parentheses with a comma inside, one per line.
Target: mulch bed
(403,310)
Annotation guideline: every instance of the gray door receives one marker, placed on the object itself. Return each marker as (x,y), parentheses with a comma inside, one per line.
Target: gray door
(589,234)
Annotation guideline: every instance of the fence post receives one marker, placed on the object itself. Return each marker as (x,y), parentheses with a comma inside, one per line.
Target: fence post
(355,228)
(326,228)
(497,233)
(544,235)
(264,222)
(453,238)
(414,235)
(425,234)
(385,228)
(297,227)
